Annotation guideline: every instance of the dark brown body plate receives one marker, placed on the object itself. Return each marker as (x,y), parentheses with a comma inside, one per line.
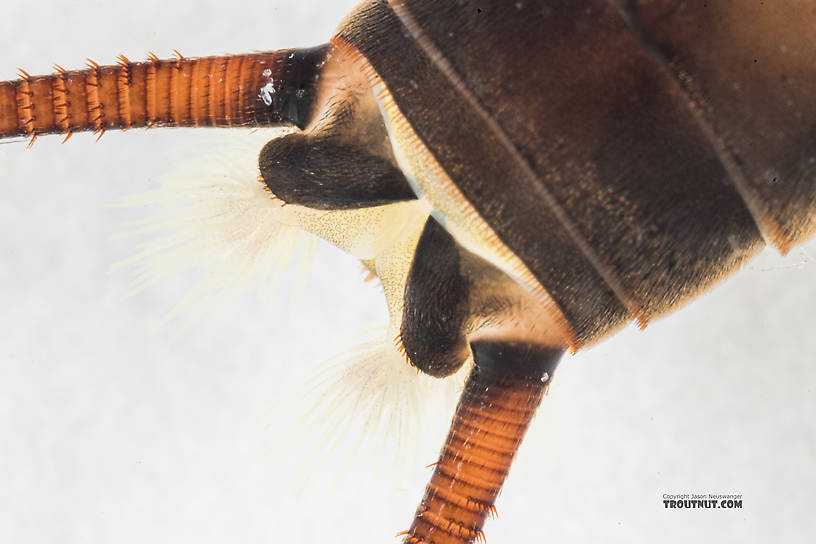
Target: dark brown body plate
(630,155)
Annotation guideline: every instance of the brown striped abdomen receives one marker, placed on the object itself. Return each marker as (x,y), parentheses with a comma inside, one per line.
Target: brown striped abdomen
(627,163)
(240,90)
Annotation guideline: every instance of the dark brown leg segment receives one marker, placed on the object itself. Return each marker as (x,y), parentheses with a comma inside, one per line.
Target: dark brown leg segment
(500,398)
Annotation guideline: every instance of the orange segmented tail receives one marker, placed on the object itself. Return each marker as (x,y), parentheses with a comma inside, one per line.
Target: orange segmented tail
(260,89)
(493,414)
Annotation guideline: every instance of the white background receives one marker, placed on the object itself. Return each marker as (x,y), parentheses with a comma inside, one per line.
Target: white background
(113,432)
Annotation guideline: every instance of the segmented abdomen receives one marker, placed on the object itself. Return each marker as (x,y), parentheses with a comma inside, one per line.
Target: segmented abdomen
(629,153)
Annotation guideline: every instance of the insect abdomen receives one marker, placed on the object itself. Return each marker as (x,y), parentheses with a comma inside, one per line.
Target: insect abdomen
(582,146)
(750,69)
